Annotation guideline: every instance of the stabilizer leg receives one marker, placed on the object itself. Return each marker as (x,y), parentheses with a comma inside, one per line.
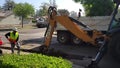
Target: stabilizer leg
(102,51)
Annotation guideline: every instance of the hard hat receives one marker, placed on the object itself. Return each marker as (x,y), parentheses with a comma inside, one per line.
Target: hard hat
(14,29)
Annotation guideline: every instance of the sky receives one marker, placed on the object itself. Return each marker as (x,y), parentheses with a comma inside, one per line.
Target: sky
(70,5)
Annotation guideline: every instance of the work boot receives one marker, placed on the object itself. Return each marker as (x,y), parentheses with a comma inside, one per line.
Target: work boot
(12,52)
(18,52)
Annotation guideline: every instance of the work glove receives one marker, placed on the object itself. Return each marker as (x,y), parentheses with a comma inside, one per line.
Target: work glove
(1,42)
(12,41)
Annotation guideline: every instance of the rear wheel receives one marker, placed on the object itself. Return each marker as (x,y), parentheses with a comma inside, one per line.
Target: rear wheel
(76,40)
(114,46)
(63,37)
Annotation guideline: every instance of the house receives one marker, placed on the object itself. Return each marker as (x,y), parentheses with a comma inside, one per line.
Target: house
(7,17)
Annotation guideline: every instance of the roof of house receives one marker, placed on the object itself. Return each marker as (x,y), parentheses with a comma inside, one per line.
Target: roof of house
(4,14)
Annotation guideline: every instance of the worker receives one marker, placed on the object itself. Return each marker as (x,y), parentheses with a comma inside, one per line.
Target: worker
(79,13)
(13,38)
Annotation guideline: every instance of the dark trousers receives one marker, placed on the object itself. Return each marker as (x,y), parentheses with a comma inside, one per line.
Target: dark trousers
(13,46)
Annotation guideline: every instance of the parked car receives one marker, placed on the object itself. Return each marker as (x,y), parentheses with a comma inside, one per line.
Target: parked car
(41,23)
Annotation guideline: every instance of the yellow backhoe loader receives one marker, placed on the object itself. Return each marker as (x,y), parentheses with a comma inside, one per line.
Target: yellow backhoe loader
(109,41)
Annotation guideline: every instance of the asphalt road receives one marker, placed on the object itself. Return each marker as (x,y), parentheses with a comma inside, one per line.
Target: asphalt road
(80,55)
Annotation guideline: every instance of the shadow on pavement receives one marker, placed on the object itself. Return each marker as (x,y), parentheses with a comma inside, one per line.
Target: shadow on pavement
(32,41)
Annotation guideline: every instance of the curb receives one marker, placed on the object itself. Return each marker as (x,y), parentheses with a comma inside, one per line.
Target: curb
(24,50)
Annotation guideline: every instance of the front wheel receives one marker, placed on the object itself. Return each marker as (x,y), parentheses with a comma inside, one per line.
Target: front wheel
(114,46)
(63,37)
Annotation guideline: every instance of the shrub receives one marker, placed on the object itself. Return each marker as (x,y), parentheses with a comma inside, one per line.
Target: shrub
(34,21)
(32,61)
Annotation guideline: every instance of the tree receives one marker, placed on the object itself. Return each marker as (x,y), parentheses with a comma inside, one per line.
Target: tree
(53,3)
(9,5)
(23,10)
(73,14)
(63,12)
(43,9)
(97,7)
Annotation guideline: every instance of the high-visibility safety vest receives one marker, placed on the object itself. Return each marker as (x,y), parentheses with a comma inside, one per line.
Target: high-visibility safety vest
(12,36)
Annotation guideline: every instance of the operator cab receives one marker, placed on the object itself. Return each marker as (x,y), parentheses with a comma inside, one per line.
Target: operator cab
(115,22)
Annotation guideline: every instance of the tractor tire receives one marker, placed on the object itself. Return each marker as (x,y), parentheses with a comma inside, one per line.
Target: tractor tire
(76,40)
(114,46)
(63,37)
